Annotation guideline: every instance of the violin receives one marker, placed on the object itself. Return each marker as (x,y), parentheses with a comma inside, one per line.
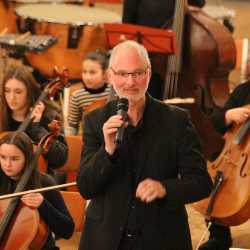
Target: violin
(229,202)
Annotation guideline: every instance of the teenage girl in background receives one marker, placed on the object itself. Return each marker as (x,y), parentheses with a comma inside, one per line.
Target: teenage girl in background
(95,88)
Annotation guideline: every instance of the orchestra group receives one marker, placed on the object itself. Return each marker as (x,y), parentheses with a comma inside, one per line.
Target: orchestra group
(142,157)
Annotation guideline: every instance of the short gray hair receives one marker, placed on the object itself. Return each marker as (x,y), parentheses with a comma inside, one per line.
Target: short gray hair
(130,44)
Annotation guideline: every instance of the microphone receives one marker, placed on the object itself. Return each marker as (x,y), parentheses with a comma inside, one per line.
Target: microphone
(122,108)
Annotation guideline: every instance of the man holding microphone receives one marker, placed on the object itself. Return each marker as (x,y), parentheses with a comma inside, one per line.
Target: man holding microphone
(139,183)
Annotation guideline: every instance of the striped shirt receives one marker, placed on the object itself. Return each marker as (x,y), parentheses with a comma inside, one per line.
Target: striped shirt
(81,102)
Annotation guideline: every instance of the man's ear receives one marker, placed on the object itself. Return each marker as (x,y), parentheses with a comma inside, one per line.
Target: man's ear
(150,72)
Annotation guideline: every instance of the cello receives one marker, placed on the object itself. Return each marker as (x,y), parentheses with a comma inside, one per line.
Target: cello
(206,53)
(20,226)
(229,202)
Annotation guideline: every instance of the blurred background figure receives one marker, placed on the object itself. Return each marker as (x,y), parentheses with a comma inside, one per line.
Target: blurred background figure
(94,90)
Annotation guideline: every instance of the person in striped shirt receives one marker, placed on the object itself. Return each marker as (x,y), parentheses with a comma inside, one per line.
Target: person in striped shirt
(94,93)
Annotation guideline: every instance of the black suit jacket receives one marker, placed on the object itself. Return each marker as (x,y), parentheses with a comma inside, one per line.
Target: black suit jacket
(153,13)
(171,154)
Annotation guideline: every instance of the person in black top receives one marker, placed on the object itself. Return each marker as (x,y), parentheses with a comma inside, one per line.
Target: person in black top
(233,112)
(139,188)
(150,13)
(19,92)
(16,152)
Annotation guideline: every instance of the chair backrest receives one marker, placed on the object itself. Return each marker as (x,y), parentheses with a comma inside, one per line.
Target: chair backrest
(74,153)
(76,206)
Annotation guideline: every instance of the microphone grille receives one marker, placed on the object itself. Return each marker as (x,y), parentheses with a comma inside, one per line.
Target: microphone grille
(122,104)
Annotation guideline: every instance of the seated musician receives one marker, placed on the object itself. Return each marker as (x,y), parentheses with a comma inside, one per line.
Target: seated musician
(15,155)
(233,112)
(95,88)
(19,92)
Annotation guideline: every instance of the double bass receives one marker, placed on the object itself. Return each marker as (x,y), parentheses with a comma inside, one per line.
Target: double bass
(205,55)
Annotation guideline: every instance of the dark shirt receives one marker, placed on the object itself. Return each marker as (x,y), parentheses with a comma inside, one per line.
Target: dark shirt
(58,149)
(132,135)
(239,97)
(153,13)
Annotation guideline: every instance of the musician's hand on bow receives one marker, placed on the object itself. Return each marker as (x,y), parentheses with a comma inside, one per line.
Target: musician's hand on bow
(37,112)
(237,115)
(148,190)
(33,200)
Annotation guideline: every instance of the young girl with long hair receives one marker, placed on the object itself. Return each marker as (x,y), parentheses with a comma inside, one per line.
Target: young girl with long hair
(19,93)
(16,153)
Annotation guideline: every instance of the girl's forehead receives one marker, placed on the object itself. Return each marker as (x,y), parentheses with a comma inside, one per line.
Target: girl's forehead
(9,148)
(90,62)
(15,83)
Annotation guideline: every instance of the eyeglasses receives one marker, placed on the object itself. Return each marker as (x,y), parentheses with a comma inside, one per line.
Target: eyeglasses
(138,74)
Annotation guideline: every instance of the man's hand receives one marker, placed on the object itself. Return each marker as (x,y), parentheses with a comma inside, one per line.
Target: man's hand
(148,190)
(109,129)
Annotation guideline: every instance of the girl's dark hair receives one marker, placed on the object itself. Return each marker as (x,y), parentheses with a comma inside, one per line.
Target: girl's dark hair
(24,75)
(24,143)
(98,56)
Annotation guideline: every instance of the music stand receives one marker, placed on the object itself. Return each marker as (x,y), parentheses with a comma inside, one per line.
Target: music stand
(155,40)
